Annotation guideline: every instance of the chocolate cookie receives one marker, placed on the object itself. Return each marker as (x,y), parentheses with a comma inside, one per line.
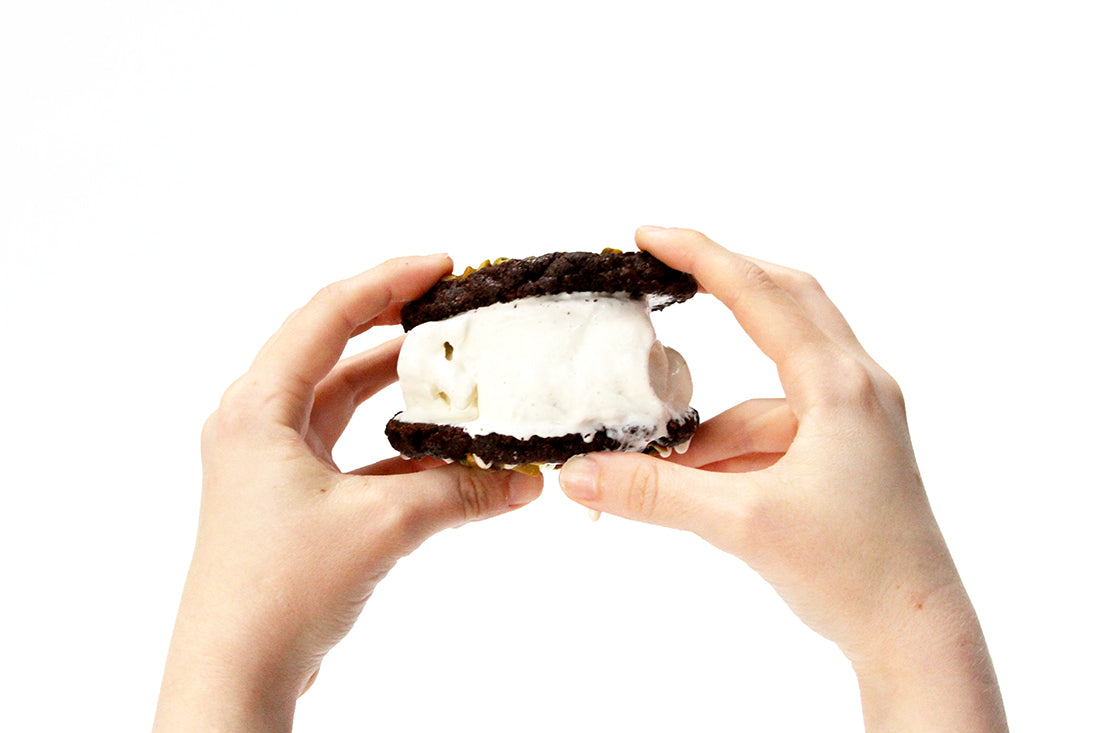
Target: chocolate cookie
(638,274)
(417,440)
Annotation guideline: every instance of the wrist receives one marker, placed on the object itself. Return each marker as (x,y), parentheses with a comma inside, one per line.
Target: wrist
(223,674)
(207,692)
(930,669)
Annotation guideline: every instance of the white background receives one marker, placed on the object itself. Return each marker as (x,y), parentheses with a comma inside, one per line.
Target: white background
(177,177)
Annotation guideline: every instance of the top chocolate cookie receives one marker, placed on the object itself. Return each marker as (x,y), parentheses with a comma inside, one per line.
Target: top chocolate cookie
(638,274)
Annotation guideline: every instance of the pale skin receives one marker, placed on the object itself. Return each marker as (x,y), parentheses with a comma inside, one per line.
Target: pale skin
(818,491)
(289,549)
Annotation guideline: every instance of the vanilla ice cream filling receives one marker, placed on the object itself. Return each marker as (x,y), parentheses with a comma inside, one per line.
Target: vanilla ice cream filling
(546,366)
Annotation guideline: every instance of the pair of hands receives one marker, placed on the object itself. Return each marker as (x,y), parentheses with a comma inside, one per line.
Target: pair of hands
(819,492)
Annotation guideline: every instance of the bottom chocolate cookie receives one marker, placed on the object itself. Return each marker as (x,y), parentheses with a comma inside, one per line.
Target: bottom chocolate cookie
(494,450)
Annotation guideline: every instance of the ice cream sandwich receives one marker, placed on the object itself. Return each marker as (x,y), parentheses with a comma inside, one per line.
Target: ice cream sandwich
(531,361)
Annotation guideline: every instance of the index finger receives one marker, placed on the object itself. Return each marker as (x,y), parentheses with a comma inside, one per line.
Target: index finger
(767,312)
(312,339)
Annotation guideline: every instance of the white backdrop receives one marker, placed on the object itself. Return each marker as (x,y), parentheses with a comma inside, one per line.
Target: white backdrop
(177,177)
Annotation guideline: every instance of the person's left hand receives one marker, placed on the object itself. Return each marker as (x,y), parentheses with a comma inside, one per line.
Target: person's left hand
(289,549)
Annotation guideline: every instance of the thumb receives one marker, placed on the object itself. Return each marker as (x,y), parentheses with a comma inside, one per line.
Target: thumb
(437,499)
(643,488)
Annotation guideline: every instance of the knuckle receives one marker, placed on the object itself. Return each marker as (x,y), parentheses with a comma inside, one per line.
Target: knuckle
(393,271)
(238,395)
(329,292)
(753,274)
(238,413)
(235,406)
(401,523)
(209,434)
(751,277)
(397,520)
(643,489)
(749,518)
(891,392)
(474,490)
(334,298)
(695,236)
(854,383)
(856,378)
(803,283)
(800,285)
(864,387)
(743,526)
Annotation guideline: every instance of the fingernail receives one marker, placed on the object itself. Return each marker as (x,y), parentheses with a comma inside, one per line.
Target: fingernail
(578,478)
(650,228)
(523,489)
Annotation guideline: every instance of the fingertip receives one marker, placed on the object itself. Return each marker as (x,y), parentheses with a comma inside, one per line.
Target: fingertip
(675,246)
(442,263)
(431,267)
(438,261)
(647,234)
(441,257)
(578,479)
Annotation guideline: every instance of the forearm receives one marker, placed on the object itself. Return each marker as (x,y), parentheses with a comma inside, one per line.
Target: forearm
(933,673)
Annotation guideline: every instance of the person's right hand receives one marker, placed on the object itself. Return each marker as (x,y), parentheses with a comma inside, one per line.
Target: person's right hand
(819,493)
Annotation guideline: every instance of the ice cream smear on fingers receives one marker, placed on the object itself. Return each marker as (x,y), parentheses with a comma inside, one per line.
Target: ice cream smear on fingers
(536,360)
